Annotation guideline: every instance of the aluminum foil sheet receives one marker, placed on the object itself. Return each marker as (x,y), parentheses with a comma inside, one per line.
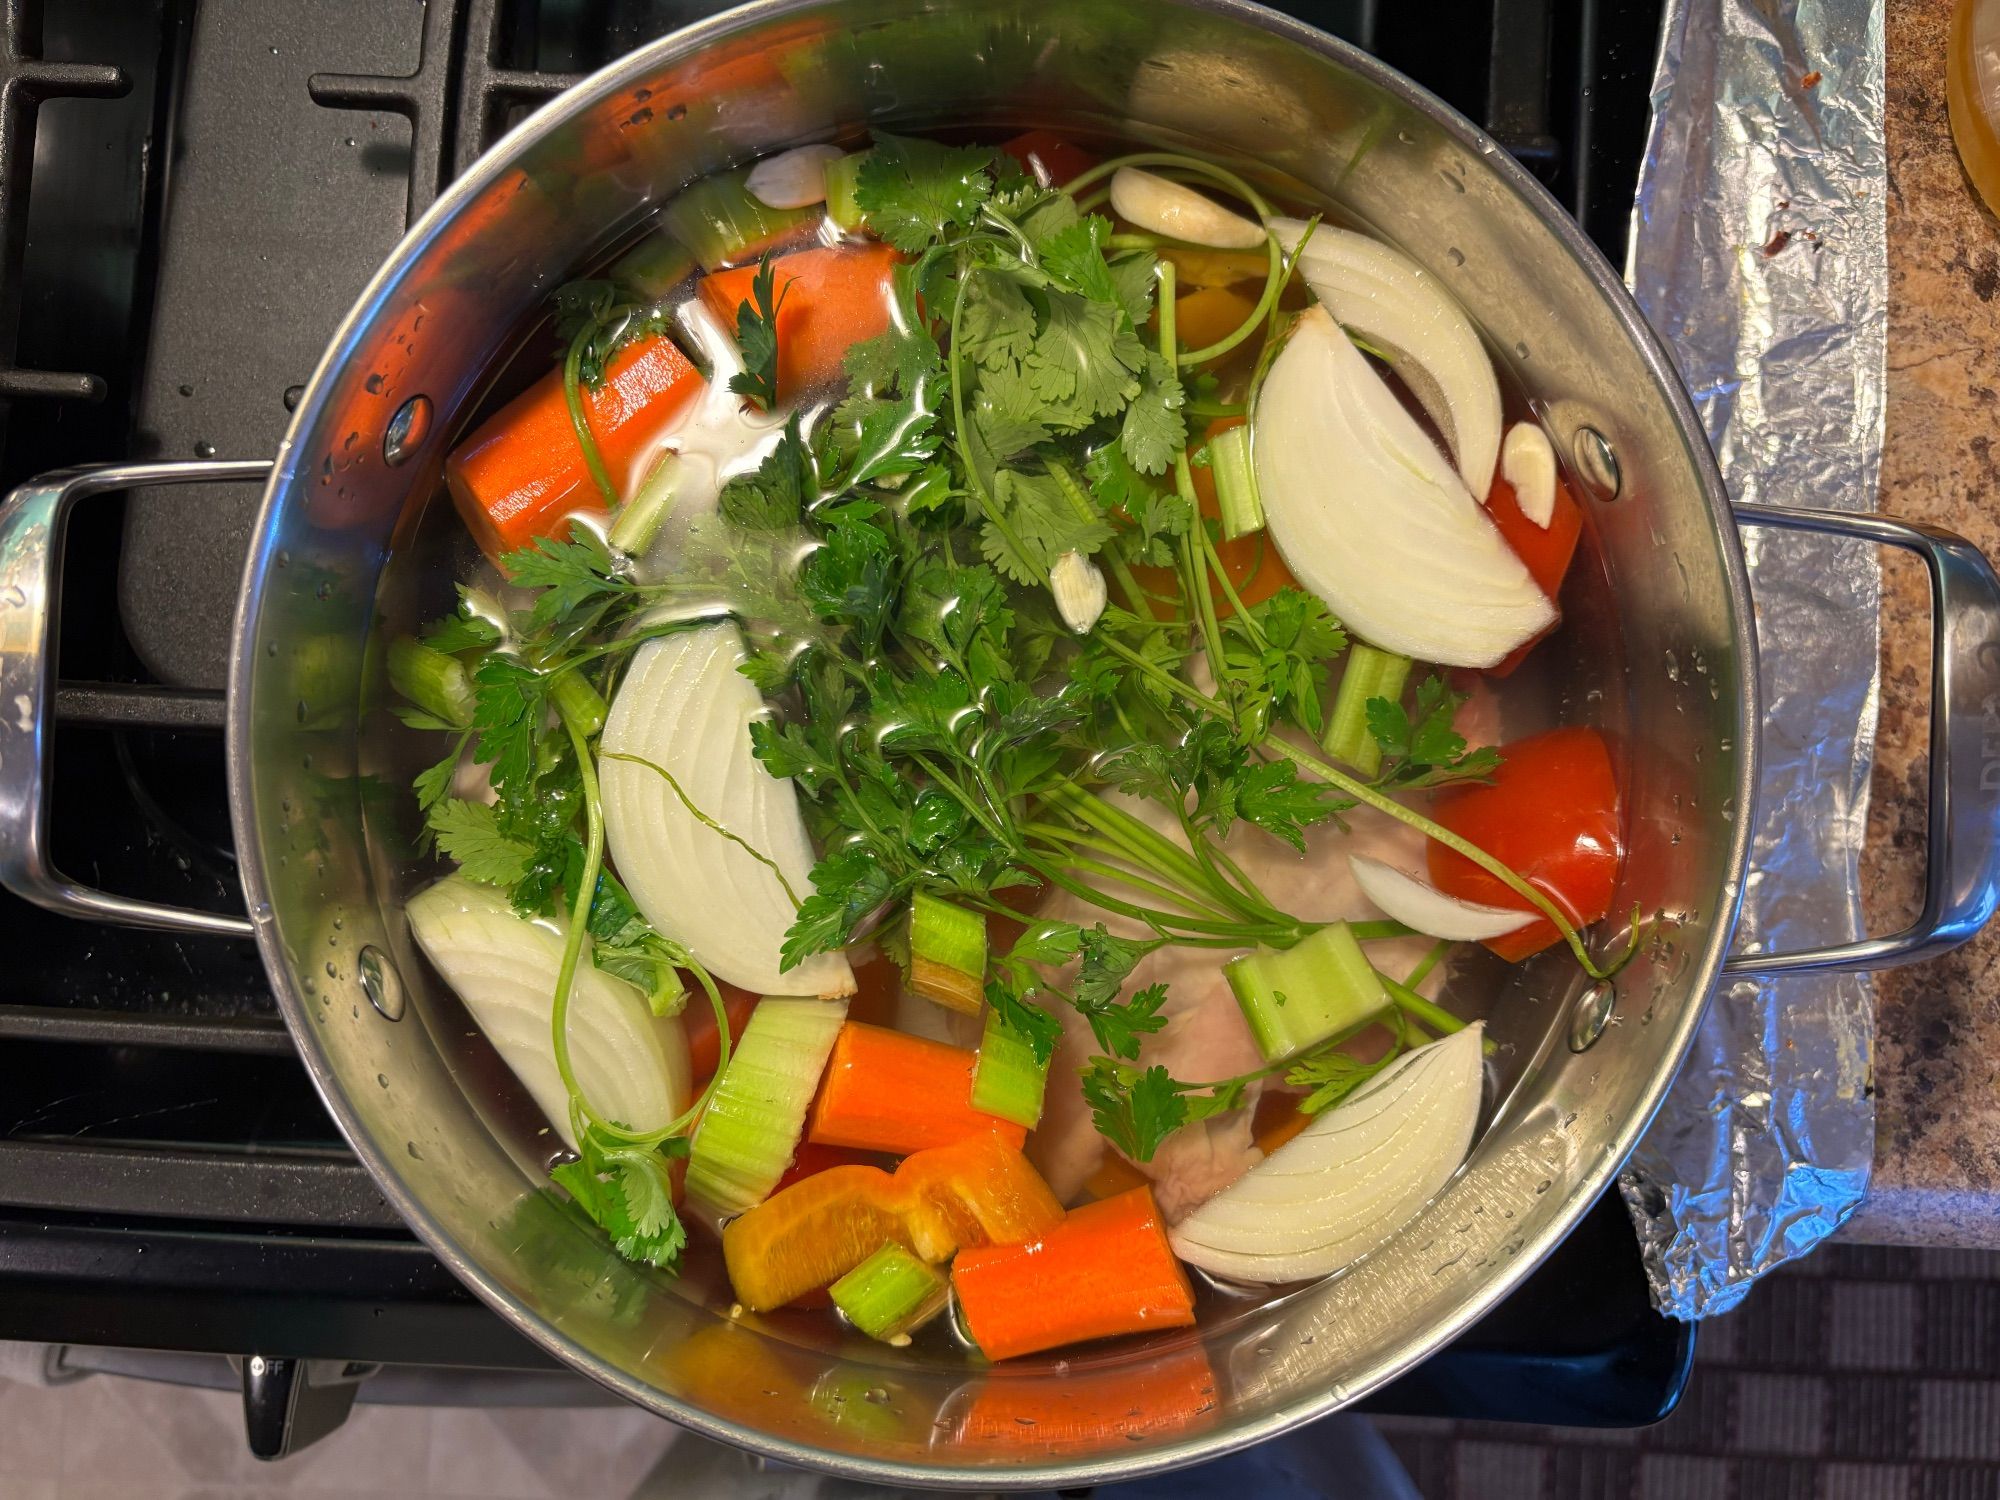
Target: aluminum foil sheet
(1758,252)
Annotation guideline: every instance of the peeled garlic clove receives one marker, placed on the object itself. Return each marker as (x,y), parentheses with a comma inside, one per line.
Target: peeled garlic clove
(1528,463)
(1079,589)
(794,178)
(1160,206)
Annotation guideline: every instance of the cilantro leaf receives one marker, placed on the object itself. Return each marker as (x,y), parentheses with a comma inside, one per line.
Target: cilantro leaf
(1085,361)
(996,325)
(916,191)
(469,833)
(757,337)
(1035,525)
(1155,428)
(629,1195)
(1424,750)
(1074,255)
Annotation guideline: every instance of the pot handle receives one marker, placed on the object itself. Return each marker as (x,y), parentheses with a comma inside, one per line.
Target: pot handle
(32,521)
(1962,865)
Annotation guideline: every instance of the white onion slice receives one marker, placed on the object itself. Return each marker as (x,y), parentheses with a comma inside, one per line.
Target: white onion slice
(1159,205)
(1398,306)
(1528,463)
(1347,1182)
(794,178)
(631,1064)
(684,707)
(1419,904)
(1369,515)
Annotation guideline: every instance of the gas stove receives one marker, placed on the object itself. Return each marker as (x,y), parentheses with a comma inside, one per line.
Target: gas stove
(191,194)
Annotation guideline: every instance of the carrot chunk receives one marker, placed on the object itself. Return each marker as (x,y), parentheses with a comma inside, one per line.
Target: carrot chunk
(833,299)
(888,1091)
(522,473)
(1106,1269)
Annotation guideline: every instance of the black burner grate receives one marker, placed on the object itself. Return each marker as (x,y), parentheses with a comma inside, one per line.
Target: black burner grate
(26,82)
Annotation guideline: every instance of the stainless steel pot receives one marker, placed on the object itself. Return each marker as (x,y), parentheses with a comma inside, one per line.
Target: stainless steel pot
(315,764)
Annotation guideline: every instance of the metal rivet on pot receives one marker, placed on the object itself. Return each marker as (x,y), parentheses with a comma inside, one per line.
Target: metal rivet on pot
(380,982)
(1590,1014)
(407,430)
(1596,463)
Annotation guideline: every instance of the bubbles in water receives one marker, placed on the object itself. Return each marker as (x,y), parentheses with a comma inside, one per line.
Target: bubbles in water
(331,971)
(1455,255)
(875,1395)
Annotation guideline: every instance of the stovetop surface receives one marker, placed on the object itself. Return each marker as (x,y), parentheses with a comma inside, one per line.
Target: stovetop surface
(185,216)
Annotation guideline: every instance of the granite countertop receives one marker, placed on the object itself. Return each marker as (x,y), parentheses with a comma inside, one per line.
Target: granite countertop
(1937,1052)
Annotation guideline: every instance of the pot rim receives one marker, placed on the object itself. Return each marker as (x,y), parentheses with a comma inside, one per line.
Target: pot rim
(1591,1180)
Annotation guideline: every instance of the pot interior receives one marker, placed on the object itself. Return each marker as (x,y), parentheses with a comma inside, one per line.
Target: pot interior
(355,548)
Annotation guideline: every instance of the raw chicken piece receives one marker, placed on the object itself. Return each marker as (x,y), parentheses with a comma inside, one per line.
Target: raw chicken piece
(1206,1035)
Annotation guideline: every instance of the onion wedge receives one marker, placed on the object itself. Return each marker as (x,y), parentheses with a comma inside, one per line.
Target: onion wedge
(1346,1183)
(631,1064)
(685,710)
(1369,515)
(1417,903)
(1398,306)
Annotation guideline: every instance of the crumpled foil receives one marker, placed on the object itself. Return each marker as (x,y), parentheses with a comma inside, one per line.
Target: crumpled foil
(1758,252)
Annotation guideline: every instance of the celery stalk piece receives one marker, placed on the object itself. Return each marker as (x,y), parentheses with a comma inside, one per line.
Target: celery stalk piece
(1008,1080)
(1235,482)
(890,1294)
(754,1119)
(435,682)
(653,267)
(639,519)
(722,224)
(1297,997)
(1369,674)
(947,953)
(843,178)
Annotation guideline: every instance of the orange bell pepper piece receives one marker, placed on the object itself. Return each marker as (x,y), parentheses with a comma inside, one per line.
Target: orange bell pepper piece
(1209,314)
(832,299)
(984,1189)
(976,1192)
(889,1091)
(522,472)
(1048,158)
(1106,1269)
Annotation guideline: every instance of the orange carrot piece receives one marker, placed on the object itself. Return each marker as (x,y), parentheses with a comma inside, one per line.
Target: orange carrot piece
(1114,1175)
(1048,158)
(984,1189)
(887,1091)
(1105,1270)
(1089,1411)
(834,298)
(522,472)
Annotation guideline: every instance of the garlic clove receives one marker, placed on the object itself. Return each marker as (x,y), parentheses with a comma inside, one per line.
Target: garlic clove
(1079,589)
(794,178)
(1528,463)
(1160,206)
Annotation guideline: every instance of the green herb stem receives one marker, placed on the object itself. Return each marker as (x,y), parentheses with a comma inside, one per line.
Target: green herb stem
(578,420)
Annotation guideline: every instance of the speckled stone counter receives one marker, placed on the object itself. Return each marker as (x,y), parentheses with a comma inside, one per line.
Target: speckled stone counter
(1937,1056)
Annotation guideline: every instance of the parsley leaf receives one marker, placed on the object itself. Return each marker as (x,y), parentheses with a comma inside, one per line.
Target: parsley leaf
(469,832)
(1270,795)
(916,191)
(757,337)
(1047,943)
(569,574)
(848,886)
(773,498)
(1332,1076)
(1027,1022)
(463,631)
(1424,750)
(508,702)
(1133,1110)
